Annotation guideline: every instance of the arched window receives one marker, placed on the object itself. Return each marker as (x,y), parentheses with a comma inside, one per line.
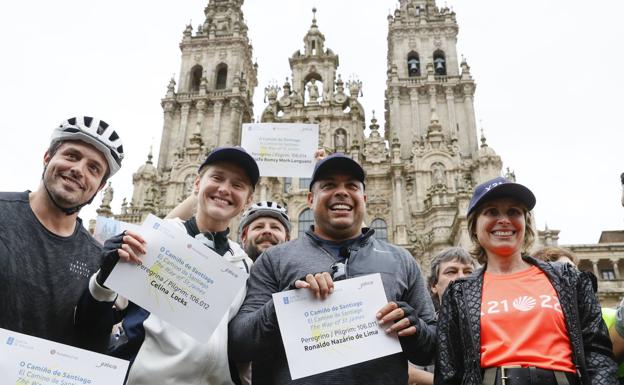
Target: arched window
(196,76)
(413,64)
(304,183)
(221,76)
(381,229)
(305,220)
(439,62)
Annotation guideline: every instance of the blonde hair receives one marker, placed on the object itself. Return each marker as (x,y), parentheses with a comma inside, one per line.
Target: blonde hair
(479,252)
(552,254)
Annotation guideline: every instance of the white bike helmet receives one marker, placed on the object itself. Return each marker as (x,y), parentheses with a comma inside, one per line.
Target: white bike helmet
(264,209)
(95,132)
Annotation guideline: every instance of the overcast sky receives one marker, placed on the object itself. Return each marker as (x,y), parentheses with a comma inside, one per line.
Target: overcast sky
(549,85)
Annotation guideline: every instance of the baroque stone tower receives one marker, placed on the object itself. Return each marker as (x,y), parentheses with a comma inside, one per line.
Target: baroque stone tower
(317,95)
(430,124)
(213,99)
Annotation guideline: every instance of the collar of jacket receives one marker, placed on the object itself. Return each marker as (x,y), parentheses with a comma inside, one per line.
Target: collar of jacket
(220,238)
(366,234)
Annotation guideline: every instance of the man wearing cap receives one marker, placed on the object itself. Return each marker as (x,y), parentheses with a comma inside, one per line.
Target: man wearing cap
(263,225)
(46,255)
(336,247)
(161,353)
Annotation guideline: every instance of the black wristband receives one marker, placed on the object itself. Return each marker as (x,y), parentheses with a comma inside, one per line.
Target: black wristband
(110,257)
(409,312)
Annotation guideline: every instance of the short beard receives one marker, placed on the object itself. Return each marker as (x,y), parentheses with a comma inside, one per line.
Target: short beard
(252,252)
(52,187)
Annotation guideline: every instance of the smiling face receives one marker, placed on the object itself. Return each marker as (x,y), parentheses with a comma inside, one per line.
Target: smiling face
(338,203)
(500,228)
(261,234)
(74,173)
(223,190)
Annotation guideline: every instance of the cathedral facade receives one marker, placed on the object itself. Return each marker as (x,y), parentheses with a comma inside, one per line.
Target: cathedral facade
(420,171)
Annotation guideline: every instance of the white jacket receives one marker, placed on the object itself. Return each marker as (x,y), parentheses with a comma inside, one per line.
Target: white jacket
(169,356)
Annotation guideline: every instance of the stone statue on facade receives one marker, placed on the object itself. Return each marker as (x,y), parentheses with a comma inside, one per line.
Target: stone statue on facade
(439,175)
(313,92)
(107,197)
(340,139)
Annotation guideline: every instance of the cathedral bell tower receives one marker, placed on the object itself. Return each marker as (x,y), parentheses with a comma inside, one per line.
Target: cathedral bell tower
(425,82)
(430,123)
(204,109)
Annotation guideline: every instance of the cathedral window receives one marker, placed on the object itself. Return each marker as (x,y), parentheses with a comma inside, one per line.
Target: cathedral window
(306,219)
(607,275)
(304,183)
(196,76)
(381,229)
(413,64)
(221,76)
(439,62)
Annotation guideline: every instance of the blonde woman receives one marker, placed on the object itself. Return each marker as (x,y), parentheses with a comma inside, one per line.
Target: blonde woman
(518,321)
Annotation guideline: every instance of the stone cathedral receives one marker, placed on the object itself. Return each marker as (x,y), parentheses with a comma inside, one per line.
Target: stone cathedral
(420,171)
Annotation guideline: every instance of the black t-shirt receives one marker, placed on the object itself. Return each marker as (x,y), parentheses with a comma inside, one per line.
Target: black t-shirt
(42,275)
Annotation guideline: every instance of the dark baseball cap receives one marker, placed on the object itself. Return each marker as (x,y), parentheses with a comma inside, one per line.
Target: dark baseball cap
(337,163)
(238,156)
(501,188)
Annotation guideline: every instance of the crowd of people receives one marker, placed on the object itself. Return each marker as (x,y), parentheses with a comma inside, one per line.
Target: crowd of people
(496,314)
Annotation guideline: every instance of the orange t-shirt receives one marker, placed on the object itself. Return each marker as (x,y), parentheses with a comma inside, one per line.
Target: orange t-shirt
(522,322)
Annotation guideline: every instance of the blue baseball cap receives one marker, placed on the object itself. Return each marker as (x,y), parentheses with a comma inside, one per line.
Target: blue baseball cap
(238,156)
(337,163)
(501,188)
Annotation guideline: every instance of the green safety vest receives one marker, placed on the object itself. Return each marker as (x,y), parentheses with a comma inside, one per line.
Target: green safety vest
(609,316)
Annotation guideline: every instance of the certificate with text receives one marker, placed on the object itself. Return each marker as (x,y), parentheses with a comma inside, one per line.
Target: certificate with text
(282,149)
(342,330)
(181,280)
(27,360)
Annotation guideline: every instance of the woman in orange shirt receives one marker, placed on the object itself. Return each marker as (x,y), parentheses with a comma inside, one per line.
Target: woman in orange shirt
(518,321)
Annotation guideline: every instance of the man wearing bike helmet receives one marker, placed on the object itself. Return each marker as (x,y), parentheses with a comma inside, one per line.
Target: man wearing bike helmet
(263,225)
(46,255)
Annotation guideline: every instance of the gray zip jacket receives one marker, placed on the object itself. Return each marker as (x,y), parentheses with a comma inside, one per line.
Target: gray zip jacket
(254,332)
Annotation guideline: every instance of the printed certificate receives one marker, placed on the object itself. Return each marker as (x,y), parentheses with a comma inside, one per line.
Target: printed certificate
(342,330)
(282,149)
(107,227)
(181,280)
(26,360)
